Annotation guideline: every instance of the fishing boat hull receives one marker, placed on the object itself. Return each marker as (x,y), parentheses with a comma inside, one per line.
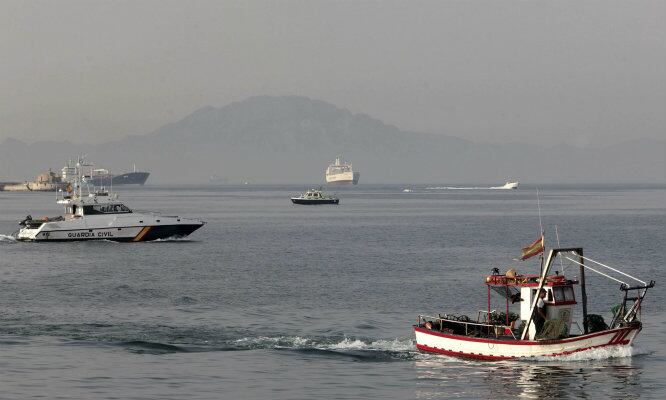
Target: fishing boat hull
(297,200)
(503,349)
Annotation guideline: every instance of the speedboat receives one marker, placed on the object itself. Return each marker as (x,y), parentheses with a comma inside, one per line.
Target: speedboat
(504,335)
(508,185)
(97,215)
(313,197)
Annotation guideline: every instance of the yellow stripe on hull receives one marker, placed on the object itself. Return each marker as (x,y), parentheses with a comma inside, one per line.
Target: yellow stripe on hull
(141,234)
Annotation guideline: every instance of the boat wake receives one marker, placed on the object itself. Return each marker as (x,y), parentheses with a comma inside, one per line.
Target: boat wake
(466,188)
(171,239)
(601,353)
(360,349)
(344,343)
(162,339)
(357,349)
(7,239)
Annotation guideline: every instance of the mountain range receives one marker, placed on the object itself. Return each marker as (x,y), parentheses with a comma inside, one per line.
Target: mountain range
(291,139)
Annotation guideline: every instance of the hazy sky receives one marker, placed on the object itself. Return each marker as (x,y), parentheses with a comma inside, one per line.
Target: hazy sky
(547,71)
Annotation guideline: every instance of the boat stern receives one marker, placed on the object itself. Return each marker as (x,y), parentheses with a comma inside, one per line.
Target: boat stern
(28,234)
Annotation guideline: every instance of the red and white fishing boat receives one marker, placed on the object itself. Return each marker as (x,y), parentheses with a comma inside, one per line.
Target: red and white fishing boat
(494,336)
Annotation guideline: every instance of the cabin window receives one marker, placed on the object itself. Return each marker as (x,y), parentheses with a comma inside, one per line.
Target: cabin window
(549,294)
(563,293)
(106,209)
(557,293)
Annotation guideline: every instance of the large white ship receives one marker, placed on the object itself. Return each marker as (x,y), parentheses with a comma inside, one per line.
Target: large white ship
(341,173)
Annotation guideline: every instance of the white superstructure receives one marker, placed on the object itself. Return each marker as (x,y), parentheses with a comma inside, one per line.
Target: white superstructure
(341,173)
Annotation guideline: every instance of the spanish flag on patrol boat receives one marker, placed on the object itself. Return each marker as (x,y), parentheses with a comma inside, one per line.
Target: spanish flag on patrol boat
(533,249)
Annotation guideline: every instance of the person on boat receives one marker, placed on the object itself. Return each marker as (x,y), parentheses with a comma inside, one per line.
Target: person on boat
(540,317)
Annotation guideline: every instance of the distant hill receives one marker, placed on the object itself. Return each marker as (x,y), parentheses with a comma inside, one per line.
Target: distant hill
(291,139)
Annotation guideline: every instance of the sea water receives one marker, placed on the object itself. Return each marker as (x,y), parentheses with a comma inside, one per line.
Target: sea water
(278,301)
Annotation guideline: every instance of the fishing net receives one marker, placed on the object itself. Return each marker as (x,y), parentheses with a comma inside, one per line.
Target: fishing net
(595,323)
(553,329)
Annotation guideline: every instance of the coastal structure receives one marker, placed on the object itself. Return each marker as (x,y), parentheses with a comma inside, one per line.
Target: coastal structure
(47,182)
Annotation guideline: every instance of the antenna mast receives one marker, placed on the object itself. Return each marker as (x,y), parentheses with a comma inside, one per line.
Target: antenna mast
(539,207)
(543,242)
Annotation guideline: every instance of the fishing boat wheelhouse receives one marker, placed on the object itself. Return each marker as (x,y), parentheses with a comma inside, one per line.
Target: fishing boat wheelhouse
(501,335)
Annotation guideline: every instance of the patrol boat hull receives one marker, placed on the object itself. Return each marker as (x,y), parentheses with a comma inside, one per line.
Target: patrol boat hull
(298,200)
(53,232)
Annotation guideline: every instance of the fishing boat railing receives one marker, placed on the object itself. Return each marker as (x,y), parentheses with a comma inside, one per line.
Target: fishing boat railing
(469,326)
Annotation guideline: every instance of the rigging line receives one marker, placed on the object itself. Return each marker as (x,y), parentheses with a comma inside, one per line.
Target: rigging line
(613,269)
(598,272)
(543,239)
(539,207)
(557,235)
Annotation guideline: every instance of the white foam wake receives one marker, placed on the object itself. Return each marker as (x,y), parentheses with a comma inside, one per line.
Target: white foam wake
(7,238)
(171,239)
(395,345)
(297,342)
(461,188)
(601,353)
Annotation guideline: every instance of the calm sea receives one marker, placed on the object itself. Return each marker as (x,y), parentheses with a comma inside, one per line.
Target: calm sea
(276,301)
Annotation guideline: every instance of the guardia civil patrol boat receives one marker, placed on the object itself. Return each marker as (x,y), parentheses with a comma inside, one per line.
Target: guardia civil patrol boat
(314,197)
(96,214)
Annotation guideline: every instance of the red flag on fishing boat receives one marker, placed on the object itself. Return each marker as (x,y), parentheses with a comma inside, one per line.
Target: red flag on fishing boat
(533,249)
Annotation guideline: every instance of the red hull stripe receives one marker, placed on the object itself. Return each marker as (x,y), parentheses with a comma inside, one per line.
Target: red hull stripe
(489,357)
(524,342)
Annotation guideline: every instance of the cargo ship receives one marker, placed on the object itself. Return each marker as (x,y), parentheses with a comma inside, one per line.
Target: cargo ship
(103,177)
